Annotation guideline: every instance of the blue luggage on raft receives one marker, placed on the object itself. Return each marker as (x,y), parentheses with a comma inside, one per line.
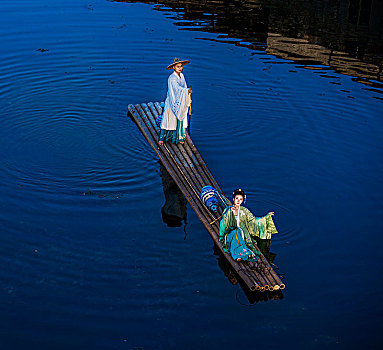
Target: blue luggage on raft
(209,197)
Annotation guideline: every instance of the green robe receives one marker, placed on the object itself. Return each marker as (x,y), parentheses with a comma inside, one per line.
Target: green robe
(261,227)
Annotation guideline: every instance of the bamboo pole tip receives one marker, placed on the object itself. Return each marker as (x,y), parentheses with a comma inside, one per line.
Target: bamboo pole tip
(178,157)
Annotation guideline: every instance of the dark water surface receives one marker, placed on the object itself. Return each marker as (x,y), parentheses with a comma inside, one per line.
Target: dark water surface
(302,136)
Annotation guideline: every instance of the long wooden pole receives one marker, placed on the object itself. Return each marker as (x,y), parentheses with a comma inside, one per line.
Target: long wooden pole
(202,163)
(151,125)
(174,170)
(185,149)
(176,150)
(151,108)
(194,155)
(134,111)
(182,151)
(200,160)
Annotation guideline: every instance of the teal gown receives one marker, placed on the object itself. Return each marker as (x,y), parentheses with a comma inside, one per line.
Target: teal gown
(174,136)
(240,241)
(237,247)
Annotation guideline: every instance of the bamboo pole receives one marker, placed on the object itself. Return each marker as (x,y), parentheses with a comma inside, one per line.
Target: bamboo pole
(193,180)
(156,109)
(259,270)
(184,171)
(277,283)
(189,179)
(250,272)
(273,273)
(152,117)
(273,283)
(152,111)
(175,169)
(195,151)
(179,153)
(193,175)
(149,113)
(256,269)
(196,171)
(138,114)
(202,163)
(203,209)
(193,158)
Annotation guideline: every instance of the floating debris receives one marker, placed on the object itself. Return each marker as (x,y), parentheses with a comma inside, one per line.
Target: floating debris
(102,195)
(42,50)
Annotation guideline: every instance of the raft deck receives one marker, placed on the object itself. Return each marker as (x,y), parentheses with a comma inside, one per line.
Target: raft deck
(189,171)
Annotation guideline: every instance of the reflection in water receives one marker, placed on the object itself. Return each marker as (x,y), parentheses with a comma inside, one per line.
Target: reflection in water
(174,210)
(342,34)
(252,296)
(264,246)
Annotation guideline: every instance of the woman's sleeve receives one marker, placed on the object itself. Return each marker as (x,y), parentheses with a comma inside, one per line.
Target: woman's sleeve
(270,226)
(252,223)
(265,226)
(179,102)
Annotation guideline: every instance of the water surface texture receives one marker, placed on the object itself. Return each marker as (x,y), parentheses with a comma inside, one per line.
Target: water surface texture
(287,104)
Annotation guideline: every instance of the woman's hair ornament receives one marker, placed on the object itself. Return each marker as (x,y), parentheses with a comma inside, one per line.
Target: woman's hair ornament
(241,192)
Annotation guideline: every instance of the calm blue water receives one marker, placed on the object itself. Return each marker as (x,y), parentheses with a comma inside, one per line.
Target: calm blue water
(88,272)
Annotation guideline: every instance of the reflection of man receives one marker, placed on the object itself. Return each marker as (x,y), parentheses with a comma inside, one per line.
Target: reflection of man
(174,120)
(174,210)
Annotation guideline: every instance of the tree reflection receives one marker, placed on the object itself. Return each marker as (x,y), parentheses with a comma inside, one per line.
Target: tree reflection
(343,34)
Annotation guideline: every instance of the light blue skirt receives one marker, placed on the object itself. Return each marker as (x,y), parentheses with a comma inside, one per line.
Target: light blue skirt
(174,136)
(237,246)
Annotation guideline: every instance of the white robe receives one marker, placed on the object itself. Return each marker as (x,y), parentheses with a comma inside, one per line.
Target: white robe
(177,103)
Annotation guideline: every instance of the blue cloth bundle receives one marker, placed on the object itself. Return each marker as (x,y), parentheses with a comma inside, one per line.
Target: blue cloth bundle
(209,197)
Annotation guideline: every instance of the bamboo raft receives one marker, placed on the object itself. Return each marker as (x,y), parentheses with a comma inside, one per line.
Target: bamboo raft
(189,171)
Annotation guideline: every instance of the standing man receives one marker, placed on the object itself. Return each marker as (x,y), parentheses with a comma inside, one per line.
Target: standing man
(174,120)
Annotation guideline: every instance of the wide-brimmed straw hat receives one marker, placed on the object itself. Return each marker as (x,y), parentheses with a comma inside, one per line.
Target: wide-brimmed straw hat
(176,61)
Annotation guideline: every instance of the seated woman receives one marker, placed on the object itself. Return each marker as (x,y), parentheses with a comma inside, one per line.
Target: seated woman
(239,227)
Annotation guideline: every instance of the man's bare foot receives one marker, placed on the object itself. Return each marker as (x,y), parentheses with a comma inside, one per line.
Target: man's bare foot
(160,143)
